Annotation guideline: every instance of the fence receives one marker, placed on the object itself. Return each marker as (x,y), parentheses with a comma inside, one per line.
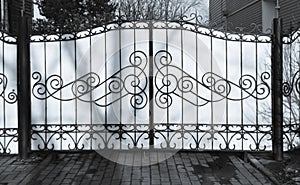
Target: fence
(291,90)
(167,85)
(8,106)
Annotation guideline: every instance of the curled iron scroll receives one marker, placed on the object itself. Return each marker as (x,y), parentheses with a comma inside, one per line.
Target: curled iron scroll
(88,88)
(172,80)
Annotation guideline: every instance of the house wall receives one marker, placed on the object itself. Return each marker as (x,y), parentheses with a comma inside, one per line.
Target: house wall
(4,15)
(268,14)
(233,5)
(14,7)
(290,13)
(235,13)
(216,8)
(246,16)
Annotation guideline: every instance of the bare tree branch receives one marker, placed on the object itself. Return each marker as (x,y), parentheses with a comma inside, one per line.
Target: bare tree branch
(160,9)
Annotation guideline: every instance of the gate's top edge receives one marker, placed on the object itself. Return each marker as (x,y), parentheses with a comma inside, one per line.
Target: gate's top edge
(6,38)
(246,36)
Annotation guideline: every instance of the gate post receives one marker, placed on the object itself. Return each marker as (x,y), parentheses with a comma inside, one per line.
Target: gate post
(24,88)
(277,97)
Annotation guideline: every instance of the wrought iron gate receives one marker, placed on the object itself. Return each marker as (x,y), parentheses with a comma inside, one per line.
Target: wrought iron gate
(150,84)
(163,85)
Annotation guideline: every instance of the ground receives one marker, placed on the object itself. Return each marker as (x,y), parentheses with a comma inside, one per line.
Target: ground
(286,171)
(187,168)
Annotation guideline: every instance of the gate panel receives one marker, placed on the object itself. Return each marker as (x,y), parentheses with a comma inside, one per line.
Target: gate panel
(291,91)
(100,92)
(209,91)
(8,96)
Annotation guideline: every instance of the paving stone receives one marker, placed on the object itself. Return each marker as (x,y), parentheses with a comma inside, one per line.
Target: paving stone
(183,168)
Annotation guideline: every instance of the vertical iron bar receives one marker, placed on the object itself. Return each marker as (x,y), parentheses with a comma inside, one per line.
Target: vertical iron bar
(296,70)
(227,89)
(105,68)
(151,90)
(182,74)
(46,102)
(290,98)
(120,93)
(24,92)
(256,100)
(277,106)
(211,95)
(76,100)
(242,101)
(167,72)
(91,94)
(197,90)
(60,92)
(135,83)
(3,106)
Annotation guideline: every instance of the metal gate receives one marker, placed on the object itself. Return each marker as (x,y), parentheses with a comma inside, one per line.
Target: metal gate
(163,85)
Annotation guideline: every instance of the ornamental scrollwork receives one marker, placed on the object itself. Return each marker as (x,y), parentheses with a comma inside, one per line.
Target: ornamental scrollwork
(10,135)
(287,88)
(172,80)
(11,97)
(87,87)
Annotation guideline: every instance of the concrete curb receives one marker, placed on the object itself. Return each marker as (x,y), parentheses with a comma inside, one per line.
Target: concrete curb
(253,161)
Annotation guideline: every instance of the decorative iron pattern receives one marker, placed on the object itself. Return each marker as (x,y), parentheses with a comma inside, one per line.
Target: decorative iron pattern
(193,23)
(8,140)
(197,136)
(292,38)
(90,137)
(291,91)
(6,38)
(82,88)
(213,136)
(11,97)
(177,82)
(291,135)
(8,136)
(287,88)
(167,136)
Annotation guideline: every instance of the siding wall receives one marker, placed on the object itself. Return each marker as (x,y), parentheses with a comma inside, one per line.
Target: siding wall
(290,13)
(233,5)
(14,7)
(244,18)
(216,8)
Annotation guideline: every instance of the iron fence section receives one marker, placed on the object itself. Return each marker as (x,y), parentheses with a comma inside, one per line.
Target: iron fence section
(8,87)
(291,90)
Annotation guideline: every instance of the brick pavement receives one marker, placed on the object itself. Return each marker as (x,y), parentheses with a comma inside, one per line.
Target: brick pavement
(90,168)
